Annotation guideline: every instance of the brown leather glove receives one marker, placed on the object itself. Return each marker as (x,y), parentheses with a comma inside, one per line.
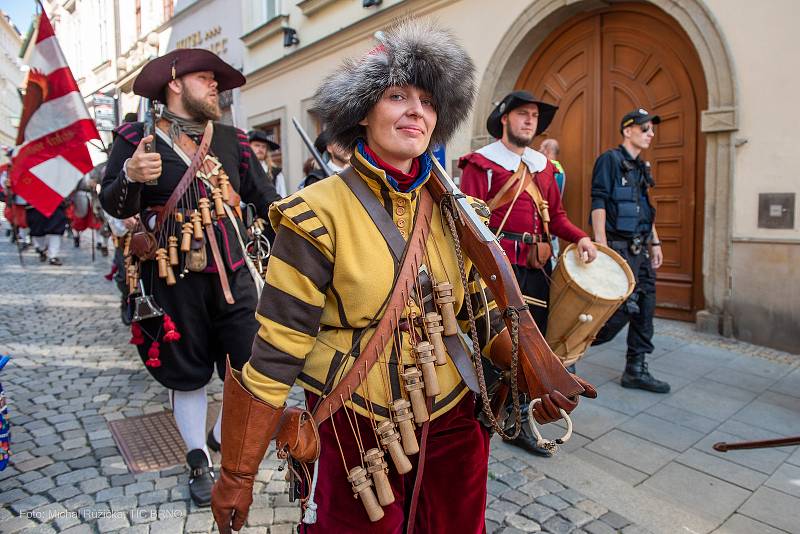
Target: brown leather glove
(548,410)
(231,498)
(248,425)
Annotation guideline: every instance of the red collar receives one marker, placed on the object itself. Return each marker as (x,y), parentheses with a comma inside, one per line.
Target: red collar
(404,180)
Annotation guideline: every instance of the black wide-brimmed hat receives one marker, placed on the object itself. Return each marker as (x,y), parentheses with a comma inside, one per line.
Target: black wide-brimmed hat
(515,100)
(261,135)
(156,74)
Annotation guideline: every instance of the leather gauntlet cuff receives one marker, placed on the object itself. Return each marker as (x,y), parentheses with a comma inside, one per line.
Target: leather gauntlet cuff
(248,425)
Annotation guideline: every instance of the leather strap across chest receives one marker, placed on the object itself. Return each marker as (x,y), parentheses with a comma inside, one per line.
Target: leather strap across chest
(411,257)
(397,243)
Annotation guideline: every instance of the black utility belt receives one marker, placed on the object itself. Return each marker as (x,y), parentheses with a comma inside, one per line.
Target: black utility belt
(634,244)
(525,237)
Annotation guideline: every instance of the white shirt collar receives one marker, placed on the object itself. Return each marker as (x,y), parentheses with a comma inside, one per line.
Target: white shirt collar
(498,153)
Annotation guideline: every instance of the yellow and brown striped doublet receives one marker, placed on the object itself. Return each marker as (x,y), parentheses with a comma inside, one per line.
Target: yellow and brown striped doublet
(329,274)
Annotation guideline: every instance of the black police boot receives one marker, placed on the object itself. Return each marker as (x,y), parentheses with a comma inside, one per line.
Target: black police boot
(637,376)
(211,441)
(528,443)
(201,477)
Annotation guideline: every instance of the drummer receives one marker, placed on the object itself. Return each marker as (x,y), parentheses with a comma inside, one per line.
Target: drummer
(509,175)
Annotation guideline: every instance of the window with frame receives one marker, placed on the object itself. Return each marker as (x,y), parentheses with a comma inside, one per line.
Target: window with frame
(273,131)
(258,12)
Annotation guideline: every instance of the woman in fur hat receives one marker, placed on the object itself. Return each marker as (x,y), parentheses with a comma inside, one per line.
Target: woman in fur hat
(327,284)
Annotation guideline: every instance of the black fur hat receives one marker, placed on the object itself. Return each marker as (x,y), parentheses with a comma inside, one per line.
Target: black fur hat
(412,52)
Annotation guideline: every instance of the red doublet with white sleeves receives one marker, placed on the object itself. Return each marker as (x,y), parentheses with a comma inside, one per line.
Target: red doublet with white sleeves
(486,171)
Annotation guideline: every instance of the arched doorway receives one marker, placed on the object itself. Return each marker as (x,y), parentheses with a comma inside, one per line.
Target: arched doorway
(597,66)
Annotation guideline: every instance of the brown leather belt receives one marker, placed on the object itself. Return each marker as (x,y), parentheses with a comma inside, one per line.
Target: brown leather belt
(525,237)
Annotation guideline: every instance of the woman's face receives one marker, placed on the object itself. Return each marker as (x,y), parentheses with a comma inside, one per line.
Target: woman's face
(400,125)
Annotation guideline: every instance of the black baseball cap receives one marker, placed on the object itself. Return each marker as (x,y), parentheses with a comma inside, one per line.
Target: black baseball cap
(638,116)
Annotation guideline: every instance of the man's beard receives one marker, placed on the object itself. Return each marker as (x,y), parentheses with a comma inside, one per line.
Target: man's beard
(517,140)
(200,110)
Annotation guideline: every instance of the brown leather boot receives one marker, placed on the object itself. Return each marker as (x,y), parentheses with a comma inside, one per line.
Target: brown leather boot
(248,425)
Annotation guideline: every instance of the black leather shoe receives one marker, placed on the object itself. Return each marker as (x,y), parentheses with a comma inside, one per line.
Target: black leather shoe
(527,443)
(201,477)
(55,261)
(637,376)
(42,255)
(211,441)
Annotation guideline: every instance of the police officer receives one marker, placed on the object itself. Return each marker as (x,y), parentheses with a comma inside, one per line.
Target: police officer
(623,218)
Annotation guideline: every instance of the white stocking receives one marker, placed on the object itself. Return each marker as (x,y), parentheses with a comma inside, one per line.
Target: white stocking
(53,245)
(218,426)
(190,410)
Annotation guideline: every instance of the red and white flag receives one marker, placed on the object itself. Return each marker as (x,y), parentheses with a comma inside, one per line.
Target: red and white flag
(51,154)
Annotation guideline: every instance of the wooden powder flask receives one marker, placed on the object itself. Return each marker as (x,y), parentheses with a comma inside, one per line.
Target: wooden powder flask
(205,211)
(377,467)
(170,276)
(401,414)
(412,377)
(186,237)
(173,250)
(223,183)
(444,300)
(362,487)
(426,359)
(219,209)
(197,228)
(133,278)
(434,328)
(161,258)
(178,217)
(390,440)
(126,249)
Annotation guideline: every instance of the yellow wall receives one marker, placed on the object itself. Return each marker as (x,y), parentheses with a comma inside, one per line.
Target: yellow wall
(762,39)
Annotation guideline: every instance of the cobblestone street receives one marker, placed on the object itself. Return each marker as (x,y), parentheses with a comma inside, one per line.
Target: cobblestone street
(72,371)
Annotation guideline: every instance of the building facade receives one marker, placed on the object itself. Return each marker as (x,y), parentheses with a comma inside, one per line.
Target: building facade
(722,158)
(11,78)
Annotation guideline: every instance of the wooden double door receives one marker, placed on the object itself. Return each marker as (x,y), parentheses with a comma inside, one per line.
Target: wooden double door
(602,64)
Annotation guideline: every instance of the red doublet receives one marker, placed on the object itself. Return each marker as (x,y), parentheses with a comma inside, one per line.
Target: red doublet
(524,217)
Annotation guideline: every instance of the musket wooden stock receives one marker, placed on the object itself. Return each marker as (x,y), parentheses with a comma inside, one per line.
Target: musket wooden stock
(763,444)
(541,368)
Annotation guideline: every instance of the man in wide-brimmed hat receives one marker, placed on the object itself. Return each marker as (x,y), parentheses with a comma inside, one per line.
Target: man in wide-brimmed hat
(262,145)
(339,246)
(208,296)
(519,186)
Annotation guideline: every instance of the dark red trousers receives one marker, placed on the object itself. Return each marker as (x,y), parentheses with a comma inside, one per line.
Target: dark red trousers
(452,494)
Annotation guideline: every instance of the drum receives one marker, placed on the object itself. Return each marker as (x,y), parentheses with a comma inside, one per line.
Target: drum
(583,296)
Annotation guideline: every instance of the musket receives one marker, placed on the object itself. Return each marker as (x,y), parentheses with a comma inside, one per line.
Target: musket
(317,156)
(763,444)
(542,371)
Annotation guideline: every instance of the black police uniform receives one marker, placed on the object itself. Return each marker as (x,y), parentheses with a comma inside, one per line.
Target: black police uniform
(210,327)
(619,185)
